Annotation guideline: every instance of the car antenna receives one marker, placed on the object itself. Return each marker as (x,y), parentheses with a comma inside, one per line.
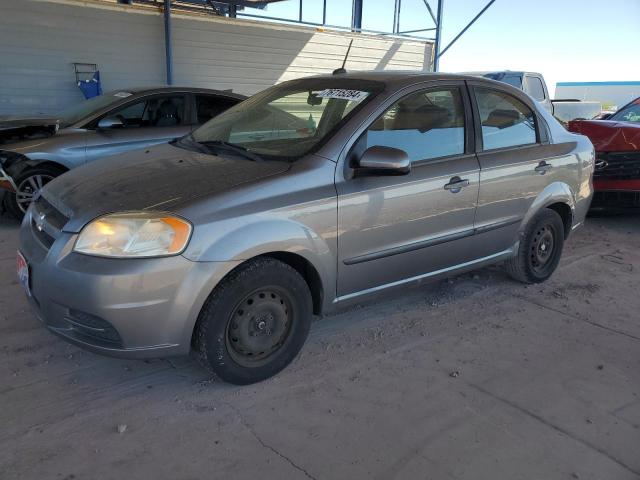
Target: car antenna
(341,70)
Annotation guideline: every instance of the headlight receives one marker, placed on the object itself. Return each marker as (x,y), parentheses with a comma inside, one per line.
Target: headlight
(134,235)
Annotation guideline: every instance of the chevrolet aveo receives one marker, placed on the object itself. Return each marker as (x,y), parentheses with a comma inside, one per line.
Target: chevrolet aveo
(309,195)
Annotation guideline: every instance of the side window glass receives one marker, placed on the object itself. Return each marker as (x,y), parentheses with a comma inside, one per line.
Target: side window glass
(506,121)
(426,124)
(533,87)
(209,106)
(153,112)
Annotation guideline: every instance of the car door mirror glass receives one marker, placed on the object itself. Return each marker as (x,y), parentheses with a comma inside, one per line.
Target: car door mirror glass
(110,122)
(380,160)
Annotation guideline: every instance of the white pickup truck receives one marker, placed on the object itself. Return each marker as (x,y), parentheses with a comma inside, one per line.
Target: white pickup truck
(533,84)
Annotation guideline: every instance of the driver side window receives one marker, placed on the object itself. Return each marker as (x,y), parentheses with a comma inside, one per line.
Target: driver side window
(165,111)
(426,124)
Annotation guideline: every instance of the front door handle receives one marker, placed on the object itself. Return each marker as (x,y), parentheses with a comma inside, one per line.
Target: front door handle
(543,167)
(456,184)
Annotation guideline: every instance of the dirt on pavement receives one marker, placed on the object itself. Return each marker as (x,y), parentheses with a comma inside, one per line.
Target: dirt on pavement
(475,377)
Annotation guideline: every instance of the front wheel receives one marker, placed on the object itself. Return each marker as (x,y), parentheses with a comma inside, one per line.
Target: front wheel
(540,248)
(28,183)
(255,322)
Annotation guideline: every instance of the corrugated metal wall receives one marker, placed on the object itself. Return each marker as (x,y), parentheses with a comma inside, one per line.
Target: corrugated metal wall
(40,40)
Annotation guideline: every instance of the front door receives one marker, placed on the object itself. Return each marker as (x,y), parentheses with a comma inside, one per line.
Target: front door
(148,121)
(395,228)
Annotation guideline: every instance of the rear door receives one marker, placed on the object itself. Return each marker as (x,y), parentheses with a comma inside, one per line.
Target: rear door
(149,120)
(516,163)
(394,228)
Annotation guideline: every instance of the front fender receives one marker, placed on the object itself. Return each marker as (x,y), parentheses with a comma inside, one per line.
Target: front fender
(556,192)
(238,240)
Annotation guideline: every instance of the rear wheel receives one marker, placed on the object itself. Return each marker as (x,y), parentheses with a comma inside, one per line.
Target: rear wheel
(29,184)
(540,249)
(255,322)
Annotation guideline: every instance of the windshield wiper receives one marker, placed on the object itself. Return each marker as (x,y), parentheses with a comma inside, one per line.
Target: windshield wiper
(232,147)
(189,142)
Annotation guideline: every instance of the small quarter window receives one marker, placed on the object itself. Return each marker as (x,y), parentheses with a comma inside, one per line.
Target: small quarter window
(506,121)
(533,87)
(426,124)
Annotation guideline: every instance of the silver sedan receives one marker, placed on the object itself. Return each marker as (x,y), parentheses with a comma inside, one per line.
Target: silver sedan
(311,195)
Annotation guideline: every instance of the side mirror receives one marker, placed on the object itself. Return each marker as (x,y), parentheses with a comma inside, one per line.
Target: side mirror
(110,122)
(604,116)
(379,160)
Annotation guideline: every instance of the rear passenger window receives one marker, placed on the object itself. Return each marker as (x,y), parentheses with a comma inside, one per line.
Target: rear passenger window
(426,124)
(152,112)
(506,121)
(209,106)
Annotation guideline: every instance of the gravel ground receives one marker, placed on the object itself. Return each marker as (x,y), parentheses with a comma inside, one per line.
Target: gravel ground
(475,377)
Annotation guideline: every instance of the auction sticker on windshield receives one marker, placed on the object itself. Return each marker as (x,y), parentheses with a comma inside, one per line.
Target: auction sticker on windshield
(344,94)
(23,272)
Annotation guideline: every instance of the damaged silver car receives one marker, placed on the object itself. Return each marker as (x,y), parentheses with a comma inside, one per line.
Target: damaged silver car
(306,197)
(34,150)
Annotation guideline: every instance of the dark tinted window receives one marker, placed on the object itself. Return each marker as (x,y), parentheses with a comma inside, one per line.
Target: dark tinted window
(533,87)
(152,112)
(506,121)
(426,124)
(510,78)
(209,106)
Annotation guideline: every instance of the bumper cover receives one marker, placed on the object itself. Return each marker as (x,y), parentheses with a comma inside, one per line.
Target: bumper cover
(133,308)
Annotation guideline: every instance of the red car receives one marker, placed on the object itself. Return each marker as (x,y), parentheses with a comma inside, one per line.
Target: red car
(616,179)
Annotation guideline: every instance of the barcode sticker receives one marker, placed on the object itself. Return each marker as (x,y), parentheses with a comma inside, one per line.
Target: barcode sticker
(342,93)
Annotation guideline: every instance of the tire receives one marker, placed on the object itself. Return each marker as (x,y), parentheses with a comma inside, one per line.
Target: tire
(255,322)
(540,248)
(29,181)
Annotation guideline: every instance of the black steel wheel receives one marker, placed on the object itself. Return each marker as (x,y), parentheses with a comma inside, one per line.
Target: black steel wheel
(255,322)
(259,326)
(540,248)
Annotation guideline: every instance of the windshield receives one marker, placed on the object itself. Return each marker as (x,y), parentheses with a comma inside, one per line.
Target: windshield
(86,108)
(289,120)
(630,113)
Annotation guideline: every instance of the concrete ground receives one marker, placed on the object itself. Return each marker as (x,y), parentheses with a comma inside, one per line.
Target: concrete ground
(476,377)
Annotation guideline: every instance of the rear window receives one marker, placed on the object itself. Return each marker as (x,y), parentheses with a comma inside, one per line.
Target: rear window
(506,121)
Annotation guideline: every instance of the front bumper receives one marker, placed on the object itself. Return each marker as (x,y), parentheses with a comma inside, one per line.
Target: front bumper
(133,308)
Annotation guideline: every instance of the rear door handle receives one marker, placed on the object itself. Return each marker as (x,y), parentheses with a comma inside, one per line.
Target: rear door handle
(456,184)
(543,167)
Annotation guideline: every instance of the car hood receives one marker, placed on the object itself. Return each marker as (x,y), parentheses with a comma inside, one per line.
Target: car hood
(14,128)
(159,178)
(609,136)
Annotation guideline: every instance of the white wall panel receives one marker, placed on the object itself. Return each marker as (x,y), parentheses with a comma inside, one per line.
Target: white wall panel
(40,40)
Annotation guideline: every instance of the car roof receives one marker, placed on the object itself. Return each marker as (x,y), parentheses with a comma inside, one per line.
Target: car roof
(165,89)
(493,72)
(400,78)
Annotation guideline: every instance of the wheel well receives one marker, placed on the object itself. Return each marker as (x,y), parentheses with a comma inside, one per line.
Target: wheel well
(50,164)
(308,272)
(566,215)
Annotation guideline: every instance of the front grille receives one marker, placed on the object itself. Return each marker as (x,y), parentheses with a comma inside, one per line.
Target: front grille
(45,239)
(617,166)
(54,217)
(46,222)
(92,328)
